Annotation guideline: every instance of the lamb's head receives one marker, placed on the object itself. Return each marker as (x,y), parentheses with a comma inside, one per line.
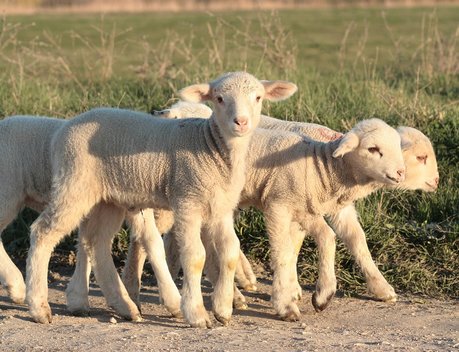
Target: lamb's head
(183,109)
(420,161)
(237,98)
(373,150)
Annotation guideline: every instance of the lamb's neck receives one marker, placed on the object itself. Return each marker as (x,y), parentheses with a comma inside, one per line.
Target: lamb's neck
(339,176)
(233,150)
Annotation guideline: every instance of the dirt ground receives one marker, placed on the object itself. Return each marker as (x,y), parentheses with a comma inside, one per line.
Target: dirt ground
(356,324)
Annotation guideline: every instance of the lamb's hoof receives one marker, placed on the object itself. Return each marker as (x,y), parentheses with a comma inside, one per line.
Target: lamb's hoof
(176,313)
(201,324)
(17,298)
(43,316)
(388,299)
(292,313)
(241,305)
(224,321)
(79,312)
(320,306)
(250,288)
(137,319)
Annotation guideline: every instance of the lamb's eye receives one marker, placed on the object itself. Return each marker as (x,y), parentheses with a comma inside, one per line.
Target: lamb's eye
(258,99)
(220,100)
(374,150)
(422,159)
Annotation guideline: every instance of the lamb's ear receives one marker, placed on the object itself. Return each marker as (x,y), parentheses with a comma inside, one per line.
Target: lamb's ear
(278,90)
(405,139)
(163,113)
(348,143)
(196,93)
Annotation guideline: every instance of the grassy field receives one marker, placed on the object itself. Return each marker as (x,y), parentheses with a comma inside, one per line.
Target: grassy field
(400,65)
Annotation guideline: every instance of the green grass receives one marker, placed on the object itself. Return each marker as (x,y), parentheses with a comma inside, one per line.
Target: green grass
(401,66)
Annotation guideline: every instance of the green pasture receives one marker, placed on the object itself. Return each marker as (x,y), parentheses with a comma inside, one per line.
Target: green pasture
(400,65)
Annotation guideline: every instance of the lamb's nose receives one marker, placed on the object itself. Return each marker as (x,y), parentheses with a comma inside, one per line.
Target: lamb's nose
(400,172)
(241,121)
(437,179)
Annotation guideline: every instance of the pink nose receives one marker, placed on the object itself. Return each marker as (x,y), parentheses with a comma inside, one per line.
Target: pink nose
(241,121)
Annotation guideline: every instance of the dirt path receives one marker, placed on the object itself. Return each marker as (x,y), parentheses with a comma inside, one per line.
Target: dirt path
(412,324)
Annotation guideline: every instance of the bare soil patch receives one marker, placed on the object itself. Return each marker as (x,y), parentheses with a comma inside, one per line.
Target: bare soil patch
(357,324)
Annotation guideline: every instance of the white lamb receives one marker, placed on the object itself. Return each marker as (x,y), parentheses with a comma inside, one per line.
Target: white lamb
(421,173)
(25,174)
(126,159)
(296,182)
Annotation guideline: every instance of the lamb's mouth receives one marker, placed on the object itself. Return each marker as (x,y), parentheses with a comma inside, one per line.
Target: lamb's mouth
(432,187)
(393,179)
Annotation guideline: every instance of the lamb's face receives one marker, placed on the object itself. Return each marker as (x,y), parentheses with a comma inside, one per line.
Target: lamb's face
(373,149)
(420,161)
(237,99)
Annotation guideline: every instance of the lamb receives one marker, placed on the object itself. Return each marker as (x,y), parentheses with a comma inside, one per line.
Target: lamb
(124,160)
(26,178)
(421,174)
(296,182)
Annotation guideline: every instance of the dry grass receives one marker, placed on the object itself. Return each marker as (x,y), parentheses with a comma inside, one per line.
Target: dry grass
(97,6)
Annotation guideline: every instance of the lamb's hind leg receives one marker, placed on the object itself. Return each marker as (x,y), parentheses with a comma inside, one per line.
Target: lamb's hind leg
(132,272)
(96,234)
(78,288)
(154,246)
(212,270)
(10,276)
(326,284)
(244,275)
(58,219)
(348,228)
(283,259)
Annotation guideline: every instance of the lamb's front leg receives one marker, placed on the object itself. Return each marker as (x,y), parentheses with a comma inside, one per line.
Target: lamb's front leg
(188,220)
(154,246)
(348,228)
(227,250)
(78,288)
(285,295)
(326,284)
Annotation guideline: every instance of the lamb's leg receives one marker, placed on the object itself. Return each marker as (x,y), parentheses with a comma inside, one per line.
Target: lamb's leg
(211,268)
(154,246)
(245,276)
(172,253)
(227,250)
(326,284)
(58,219)
(348,228)
(132,272)
(96,234)
(284,296)
(187,225)
(78,288)
(11,277)
(297,235)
